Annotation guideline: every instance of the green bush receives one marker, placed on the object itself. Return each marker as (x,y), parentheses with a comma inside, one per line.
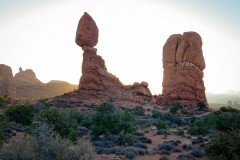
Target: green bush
(180,132)
(161,125)
(223,120)
(21,113)
(65,122)
(198,127)
(138,111)
(108,120)
(224,146)
(167,117)
(175,108)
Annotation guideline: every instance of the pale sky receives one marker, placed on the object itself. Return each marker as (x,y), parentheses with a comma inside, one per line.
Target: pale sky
(40,35)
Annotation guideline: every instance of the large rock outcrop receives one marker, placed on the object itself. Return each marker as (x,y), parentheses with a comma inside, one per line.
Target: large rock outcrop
(7,83)
(95,76)
(183,65)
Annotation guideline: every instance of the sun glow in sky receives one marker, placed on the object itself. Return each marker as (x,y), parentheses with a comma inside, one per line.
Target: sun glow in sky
(41,35)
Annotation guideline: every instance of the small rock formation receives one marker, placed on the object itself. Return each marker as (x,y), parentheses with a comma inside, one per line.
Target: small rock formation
(26,77)
(7,83)
(183,65)
(95,76)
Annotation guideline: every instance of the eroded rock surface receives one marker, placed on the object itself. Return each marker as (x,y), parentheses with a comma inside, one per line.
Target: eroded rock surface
(87,31)
(183,64)
(95,76)
(7,83)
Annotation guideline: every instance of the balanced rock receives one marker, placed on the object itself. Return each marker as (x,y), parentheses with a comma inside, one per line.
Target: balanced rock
(87,31)
(7,83)
(95,76)
(183,64)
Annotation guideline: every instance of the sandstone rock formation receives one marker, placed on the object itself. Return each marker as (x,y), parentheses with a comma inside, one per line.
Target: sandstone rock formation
(7,83)
(26,77)
(87,31)
(29,86)
(95,76)
(183,65)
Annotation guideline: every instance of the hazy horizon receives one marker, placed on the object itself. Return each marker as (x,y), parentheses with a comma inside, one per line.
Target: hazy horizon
(40,36)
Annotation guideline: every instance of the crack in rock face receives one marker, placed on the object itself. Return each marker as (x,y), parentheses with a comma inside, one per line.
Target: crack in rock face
(183,64)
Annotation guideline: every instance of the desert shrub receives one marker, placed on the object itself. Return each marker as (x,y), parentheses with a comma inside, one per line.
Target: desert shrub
(225,145)
(138,111)
(163,158)
(144,139)
(224,109)
(44,143)
(224,121)
(107,120)
(64,122)
(167,117)
(180,132)
(166,152)
(161,125)
(197,152)
(130,152)
(198,127)
(185,157)
(22,113)
(82,149)
(175,107)
(201,105)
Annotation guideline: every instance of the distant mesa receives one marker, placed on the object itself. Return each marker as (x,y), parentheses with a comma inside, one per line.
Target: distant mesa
(26,85)
(183,65)
(7,83)
(29,86)
(95,76)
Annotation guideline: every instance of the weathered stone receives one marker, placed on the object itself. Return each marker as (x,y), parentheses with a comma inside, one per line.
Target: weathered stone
(94,73)
(95,76)
(183,65)
(87,31)
(7,83)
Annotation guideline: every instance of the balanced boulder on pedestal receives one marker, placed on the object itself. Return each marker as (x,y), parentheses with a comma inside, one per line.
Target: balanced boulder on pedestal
(95,76)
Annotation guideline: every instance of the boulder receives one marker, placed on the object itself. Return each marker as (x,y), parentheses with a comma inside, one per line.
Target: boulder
(87,31)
